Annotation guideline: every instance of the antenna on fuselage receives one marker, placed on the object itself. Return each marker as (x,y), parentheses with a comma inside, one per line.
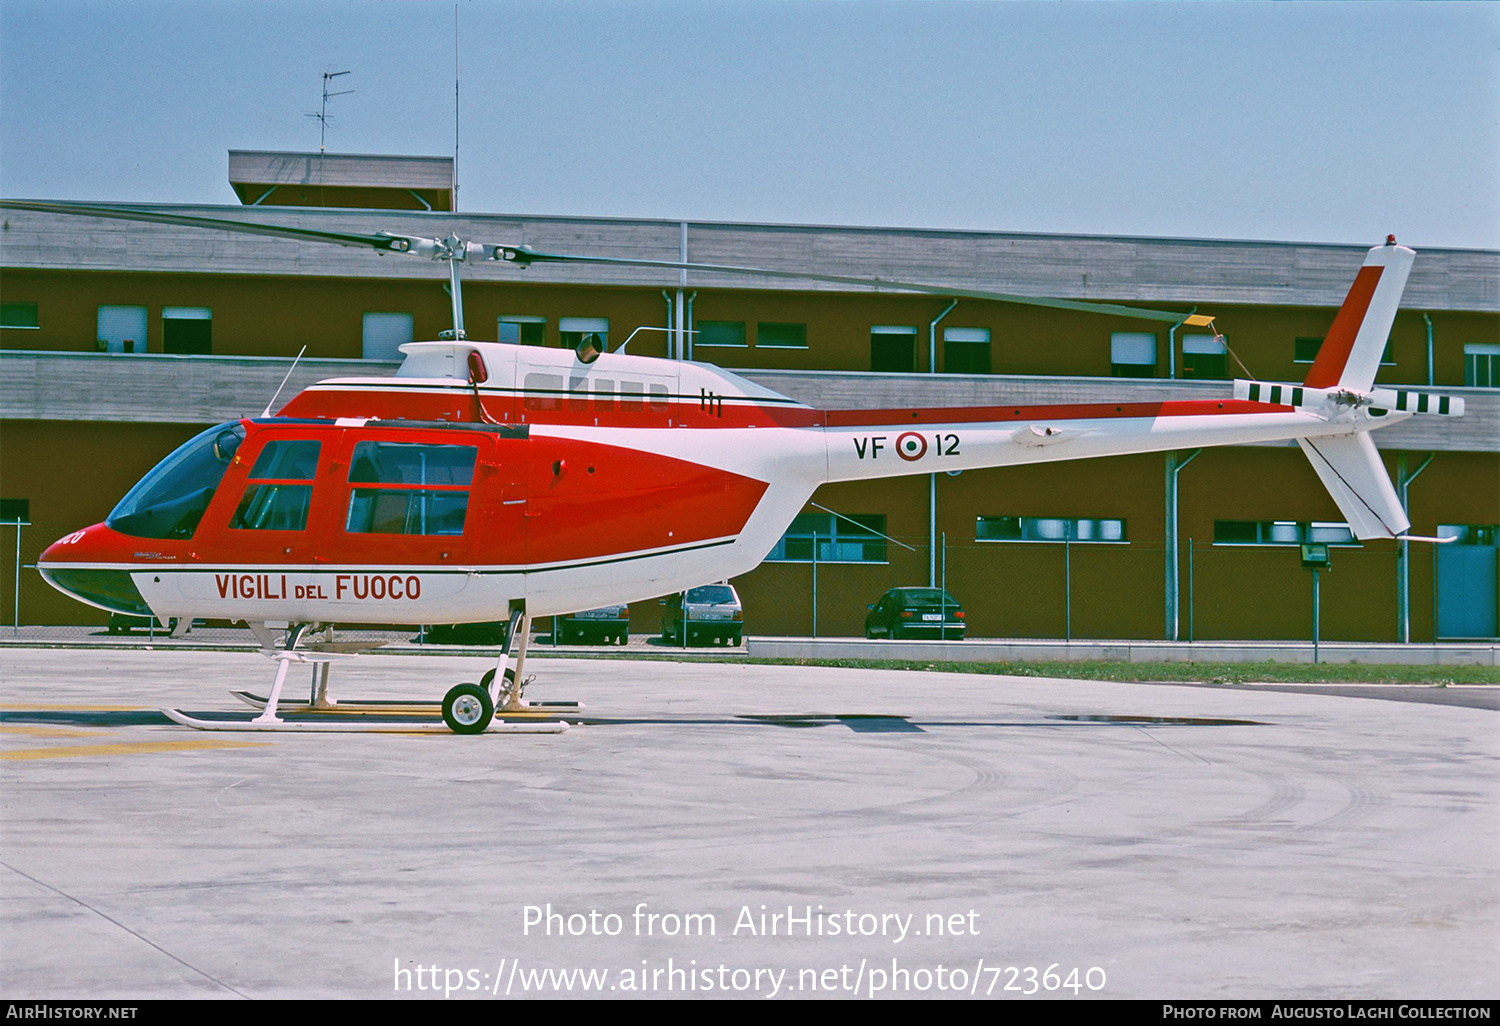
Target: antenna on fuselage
(267,411)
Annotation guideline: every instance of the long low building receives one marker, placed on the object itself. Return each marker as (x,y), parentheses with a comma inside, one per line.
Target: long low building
(121,338)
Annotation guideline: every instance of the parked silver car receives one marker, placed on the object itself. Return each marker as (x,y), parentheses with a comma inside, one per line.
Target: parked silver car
(712,611)
(605,625)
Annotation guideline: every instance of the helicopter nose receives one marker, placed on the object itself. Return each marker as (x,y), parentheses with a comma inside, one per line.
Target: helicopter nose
(66,565)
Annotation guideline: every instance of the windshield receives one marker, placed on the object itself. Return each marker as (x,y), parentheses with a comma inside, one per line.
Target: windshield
(169,501)
(716,594)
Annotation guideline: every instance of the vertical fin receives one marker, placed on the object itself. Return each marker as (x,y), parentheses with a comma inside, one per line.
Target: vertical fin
(1350,354)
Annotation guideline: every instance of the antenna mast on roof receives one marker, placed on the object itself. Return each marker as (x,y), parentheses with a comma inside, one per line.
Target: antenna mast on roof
(322,116)
(455,106)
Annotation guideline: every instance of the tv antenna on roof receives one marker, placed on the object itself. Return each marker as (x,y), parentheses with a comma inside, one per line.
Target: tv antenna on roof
(322,116)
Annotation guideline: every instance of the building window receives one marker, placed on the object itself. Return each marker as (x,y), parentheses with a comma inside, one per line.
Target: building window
(777,335)
(1050,529)
(574,329)
(12,510)
(1305,350)
(893,349)
(857,539)
(521,330)
(19,315)
(187,330)
(966,350)
(720,333)
(385,334)
(1132,354)
(122,329)
(1482,365)
(1204,356)
(1281,532)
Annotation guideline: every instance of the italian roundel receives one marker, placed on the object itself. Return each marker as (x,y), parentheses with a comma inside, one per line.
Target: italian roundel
(911,446)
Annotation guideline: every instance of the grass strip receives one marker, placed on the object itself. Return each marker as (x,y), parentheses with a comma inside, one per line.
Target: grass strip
(1212,673)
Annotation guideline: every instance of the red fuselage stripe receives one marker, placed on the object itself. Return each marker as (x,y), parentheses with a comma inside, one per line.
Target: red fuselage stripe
(586,412)
(1088,411)
(1328,367)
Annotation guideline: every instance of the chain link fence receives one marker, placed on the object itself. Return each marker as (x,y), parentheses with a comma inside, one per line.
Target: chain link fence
(1074,590)
(1102,590)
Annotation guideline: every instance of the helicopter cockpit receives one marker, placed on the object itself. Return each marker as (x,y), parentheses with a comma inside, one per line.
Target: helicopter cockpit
(170,500)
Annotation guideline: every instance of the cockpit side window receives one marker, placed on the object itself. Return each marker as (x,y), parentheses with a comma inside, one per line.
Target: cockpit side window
(409,488)
(170,500)
(274,500)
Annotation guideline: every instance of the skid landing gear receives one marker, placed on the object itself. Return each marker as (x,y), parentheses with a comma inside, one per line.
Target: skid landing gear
(497,699)
(467,709)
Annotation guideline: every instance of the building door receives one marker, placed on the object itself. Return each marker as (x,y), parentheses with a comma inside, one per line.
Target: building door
(1466,582)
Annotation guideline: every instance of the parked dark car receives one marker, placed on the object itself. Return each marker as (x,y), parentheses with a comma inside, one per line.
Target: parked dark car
(605,625)
(711,612)
(487,635)
(124,623)
(916,613)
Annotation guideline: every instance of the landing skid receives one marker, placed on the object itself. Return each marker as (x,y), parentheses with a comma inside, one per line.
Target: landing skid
(393,705)
(362,724)
(494,706)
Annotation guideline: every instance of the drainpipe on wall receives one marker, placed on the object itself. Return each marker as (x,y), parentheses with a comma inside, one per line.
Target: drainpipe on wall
(932,478)
(671,341)
(1429,348)
(1173,611)
(681,321)
(1172,344)
(1403,550)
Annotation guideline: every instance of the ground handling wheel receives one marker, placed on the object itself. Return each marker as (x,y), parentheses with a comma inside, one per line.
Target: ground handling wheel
(467,709)
(489,675)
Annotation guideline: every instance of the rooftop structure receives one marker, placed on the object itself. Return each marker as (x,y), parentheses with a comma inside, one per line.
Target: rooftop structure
(274,178)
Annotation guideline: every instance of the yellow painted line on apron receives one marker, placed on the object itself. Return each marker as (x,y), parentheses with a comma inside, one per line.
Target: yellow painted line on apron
(49,732)
(12,707)
(131,748)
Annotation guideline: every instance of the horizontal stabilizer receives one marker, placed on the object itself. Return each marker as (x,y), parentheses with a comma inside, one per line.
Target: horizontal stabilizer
(1277,395)
(1416,402)
(1329,399)
(1351,470)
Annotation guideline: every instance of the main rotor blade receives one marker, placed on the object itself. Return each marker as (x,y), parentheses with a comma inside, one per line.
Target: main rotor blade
(523,255)
(389,243)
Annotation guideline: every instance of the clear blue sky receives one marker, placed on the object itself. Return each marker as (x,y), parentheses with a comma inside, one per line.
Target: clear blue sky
(1323,122)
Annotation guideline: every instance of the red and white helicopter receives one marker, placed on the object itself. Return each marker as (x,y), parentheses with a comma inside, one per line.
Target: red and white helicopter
(488,481)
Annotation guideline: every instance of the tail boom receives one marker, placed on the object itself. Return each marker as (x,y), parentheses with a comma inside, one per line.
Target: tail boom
(931,441)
